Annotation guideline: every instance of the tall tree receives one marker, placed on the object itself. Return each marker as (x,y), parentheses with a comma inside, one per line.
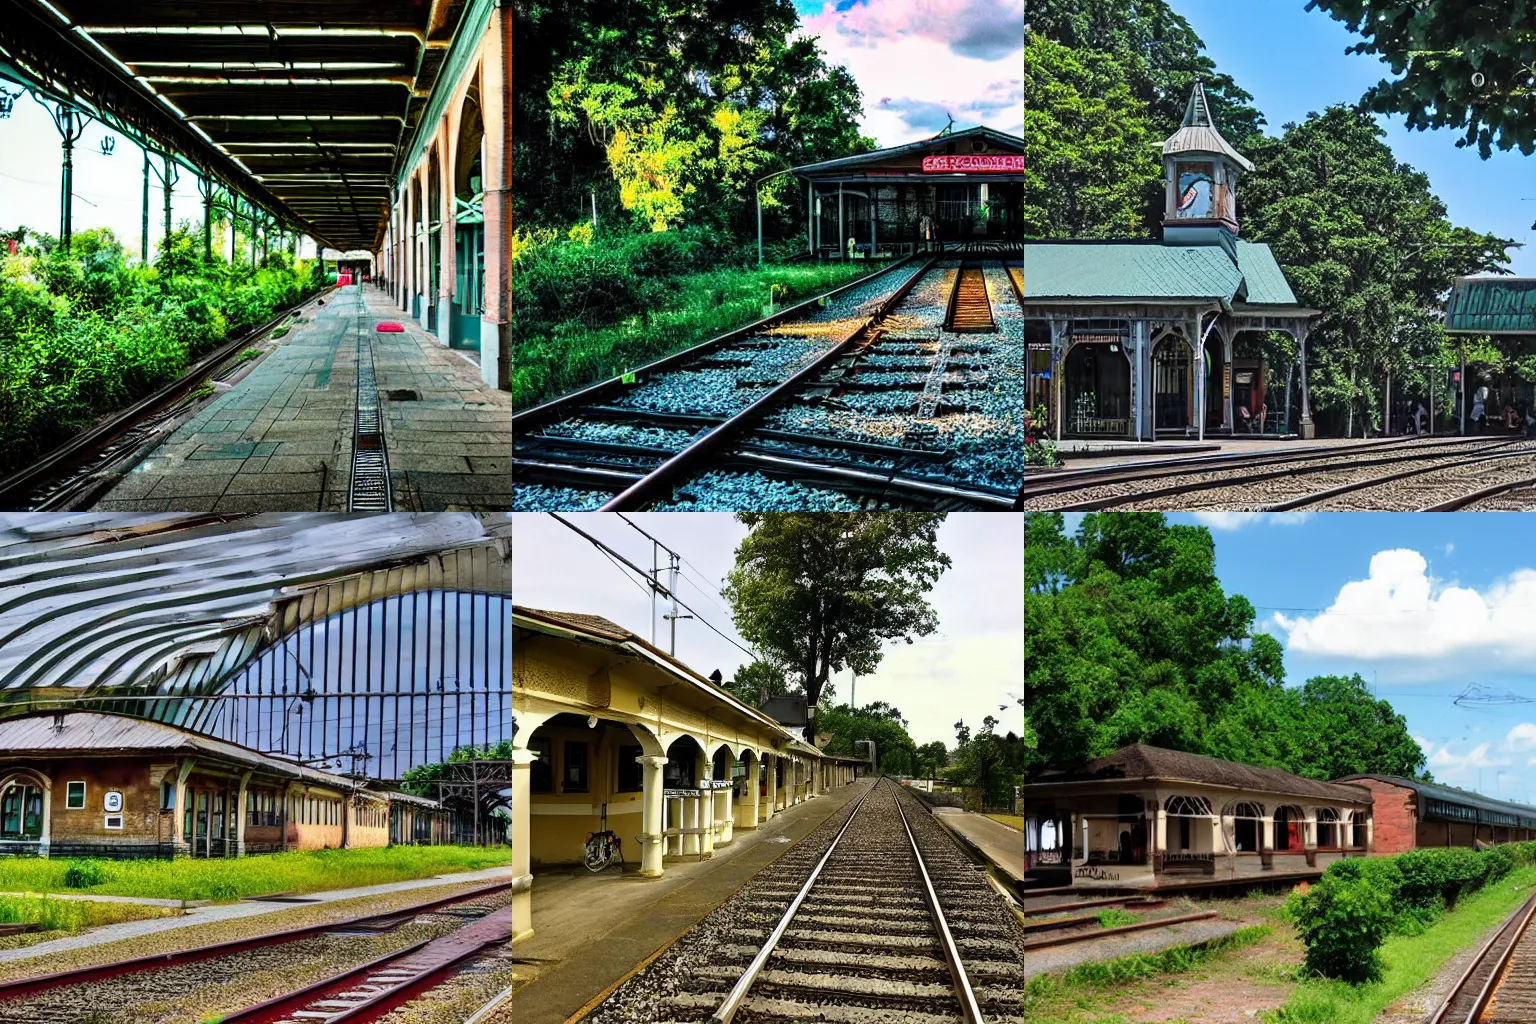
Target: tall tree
(841,726)
(822,592)
(1088,156)
(1162,56)
(1362,238)
(759,681)
(1458,65)
(1139,643)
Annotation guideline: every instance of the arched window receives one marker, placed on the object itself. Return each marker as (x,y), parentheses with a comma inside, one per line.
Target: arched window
(1245,825)
(1327,827)
(21,810)
(1195,806)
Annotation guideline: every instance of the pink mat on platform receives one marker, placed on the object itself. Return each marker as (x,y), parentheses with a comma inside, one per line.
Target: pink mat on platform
(389,327)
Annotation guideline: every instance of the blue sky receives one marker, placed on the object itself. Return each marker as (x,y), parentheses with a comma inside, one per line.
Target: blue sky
(1419,605)
(1292,60)
(920,62)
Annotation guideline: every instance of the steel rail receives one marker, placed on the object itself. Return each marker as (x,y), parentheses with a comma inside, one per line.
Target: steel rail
(1492,490)
(277,1004)
(569,403)
(1495,977)
(1099,933)
(1110,501)
(1386,478)
(1060,481)
(75,976)
(497,1001)
(963,991)
(727,1009)
(17,488)
(659,482)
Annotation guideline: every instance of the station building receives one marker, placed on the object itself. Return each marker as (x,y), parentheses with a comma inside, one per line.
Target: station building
(1138,339)
(961,190)
(1411,814)
(1148,817)
(613,733)
(90,784)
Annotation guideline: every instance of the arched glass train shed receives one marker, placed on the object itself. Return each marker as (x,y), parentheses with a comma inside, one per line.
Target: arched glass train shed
(283,647)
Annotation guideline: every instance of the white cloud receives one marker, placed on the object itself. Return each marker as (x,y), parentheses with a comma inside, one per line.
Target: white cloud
(1521,737)
(1449,548)
(918,62)
(1238,520)
(1401,613)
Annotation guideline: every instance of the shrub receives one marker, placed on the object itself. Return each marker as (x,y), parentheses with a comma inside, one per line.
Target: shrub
(82,874)
(1442,873)
(1342,921)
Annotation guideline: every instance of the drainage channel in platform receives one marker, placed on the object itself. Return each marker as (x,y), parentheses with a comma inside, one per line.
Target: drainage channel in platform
(370,491)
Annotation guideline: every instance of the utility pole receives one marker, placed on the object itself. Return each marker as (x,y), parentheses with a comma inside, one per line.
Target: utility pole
(673,616)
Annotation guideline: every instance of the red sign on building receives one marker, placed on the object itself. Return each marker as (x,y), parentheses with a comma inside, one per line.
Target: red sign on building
(983,163)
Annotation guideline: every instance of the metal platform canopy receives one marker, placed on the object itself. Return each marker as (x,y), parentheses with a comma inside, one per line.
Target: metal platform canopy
(305,107)
(1491,305)
(959,189)
(368,644)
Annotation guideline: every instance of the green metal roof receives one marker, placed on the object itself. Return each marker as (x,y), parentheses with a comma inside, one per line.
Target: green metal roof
(1265,280)
(1492,305)
(1149,271)
(1128,270)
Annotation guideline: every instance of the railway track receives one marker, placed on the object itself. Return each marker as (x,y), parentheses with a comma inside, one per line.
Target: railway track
(862,398)
(1276,483)
(969,307)
(877,916)
(1499,985)
(90,463)
(67,997)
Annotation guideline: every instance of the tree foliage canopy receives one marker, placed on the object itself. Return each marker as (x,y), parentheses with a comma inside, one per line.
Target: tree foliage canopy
(1458,65)
(1132,639)
(822,592)
(841,725)
(669,112)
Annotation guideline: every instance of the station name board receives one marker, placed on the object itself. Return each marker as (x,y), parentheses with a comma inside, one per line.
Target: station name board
(984,163)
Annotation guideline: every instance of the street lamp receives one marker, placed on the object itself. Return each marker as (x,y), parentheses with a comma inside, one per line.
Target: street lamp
(759,197)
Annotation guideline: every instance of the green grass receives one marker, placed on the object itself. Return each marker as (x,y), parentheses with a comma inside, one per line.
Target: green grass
(1113,918)
(71,916)
(306,871)
(1408,960)
(1088,978)
(1012,820)
(250,353)
(557,358)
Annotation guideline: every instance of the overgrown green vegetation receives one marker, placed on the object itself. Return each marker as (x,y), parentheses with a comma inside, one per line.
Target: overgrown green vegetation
(298,871)
(1092,976)
(1133,640)
(1113,918)
(590,308)
(55,915)
(1408,959)
(83,332)
(1345,916)
(641,133)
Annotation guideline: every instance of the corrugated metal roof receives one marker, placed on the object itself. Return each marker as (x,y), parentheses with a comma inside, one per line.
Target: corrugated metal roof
(1262,274)
(1492,305)
(876,156)
(1451,795)
(76,731)
(1140,761)
(1198,133)
(1128,270)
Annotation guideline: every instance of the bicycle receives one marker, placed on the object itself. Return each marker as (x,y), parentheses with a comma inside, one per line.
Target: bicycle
(602,846)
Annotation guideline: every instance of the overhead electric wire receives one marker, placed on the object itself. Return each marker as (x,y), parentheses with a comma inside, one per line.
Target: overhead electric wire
(656,584)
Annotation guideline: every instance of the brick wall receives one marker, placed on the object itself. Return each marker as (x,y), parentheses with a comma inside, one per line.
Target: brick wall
(1392,814)
(128,776)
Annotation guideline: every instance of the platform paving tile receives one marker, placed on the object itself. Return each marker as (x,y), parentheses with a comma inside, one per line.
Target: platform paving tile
(231,911)
(1001,845)
(281,439)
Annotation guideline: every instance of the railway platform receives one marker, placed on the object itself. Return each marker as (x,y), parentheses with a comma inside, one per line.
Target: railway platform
(283,438)
(591,932)
(1002,846)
